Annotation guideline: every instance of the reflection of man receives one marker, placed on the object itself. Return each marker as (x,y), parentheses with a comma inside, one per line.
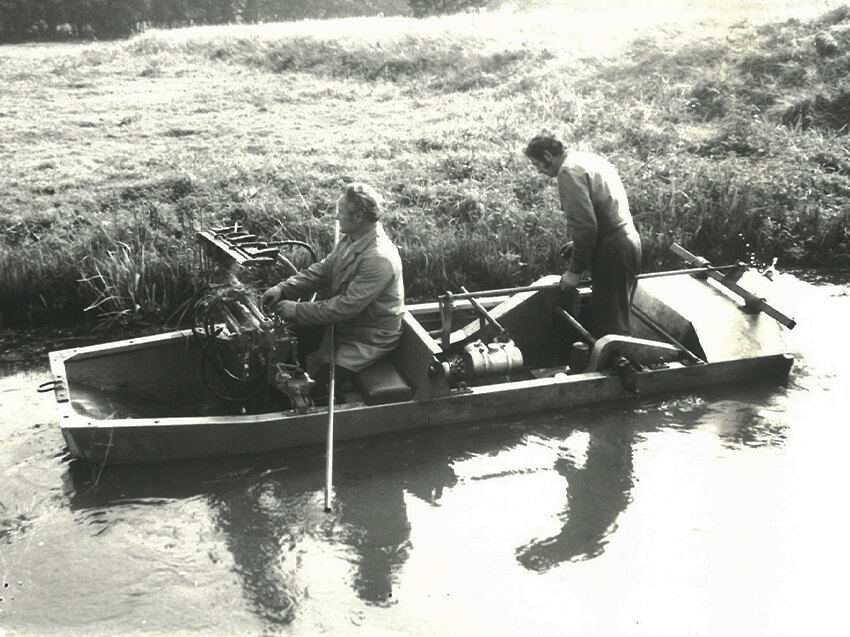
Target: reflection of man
(604,236)
(597,493)
(363,278)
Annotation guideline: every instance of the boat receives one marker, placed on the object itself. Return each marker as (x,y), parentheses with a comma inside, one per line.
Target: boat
(233,384)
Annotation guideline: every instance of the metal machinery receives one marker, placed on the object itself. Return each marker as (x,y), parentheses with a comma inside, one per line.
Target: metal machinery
(498,356)
(243,350)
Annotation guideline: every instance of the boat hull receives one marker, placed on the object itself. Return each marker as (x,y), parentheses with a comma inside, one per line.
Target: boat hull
(159,439)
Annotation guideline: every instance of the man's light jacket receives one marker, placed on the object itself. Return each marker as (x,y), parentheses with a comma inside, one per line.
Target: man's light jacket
(364,298)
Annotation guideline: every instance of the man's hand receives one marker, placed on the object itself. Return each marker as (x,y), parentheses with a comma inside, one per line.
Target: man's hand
(286,309)
(271,296)
(569,280)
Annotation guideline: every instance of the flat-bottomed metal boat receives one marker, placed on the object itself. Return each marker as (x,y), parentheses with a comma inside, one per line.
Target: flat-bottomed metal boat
(468,357)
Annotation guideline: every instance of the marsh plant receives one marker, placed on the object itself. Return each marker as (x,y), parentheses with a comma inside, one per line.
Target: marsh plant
(731,139)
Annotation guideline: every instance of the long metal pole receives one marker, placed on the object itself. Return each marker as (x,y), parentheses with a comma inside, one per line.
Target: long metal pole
(554,286)
(569,318)
(329,452)
(750,300)
(649,322)
(483,311)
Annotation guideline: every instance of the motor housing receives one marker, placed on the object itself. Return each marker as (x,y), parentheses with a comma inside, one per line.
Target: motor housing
(480,359)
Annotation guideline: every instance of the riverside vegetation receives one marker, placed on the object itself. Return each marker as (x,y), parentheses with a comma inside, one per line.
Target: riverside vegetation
(731,140)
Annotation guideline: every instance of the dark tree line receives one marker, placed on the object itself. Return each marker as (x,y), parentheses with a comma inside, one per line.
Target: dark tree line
(52,19)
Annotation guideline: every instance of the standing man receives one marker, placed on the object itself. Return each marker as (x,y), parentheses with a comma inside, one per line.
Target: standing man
(604,236)
(362,280)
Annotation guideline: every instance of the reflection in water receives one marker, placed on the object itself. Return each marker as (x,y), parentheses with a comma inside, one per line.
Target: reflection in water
(600,480)
(598,490)
(742,416)
(260,518)
(262,527)
(750,427)
(375,525)
(269,508)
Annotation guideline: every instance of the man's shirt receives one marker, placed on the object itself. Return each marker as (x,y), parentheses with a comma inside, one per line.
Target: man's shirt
(595,202)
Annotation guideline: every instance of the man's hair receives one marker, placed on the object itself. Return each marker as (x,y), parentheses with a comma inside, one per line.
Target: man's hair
(541,143)
(364,198)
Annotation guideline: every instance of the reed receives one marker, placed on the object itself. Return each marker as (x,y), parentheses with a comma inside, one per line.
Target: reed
(729,141)
(133,285)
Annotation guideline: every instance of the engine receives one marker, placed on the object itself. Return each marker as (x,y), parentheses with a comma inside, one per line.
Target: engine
(244,350)
(490,359)
(480,361)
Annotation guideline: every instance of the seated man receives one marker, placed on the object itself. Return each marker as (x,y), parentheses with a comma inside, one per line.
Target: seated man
(362,278)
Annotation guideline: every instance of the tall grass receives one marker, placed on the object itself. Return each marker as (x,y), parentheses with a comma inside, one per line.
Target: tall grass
(132,285)
(730,141)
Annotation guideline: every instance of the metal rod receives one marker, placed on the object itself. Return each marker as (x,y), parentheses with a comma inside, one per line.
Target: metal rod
(446,309)
(665,334)
(555,286)
(750,300)
(483,311)
(502,291)
(587,336)
(699,270)
(329,453)
(642,316)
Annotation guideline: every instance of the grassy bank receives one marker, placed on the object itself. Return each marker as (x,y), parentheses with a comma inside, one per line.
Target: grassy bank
(731,138)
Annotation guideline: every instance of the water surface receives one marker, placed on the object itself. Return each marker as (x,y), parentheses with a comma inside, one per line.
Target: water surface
(715,513)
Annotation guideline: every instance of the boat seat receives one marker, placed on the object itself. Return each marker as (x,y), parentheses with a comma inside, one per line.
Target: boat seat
(382,383)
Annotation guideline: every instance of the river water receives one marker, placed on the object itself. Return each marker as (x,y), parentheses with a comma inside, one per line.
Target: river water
(716,513)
